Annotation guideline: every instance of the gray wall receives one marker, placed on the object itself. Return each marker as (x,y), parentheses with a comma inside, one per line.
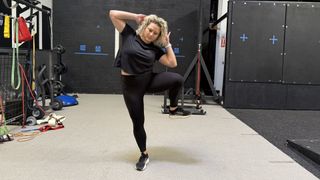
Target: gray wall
(83,28)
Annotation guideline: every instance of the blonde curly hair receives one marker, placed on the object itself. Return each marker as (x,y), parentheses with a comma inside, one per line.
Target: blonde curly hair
(160,22)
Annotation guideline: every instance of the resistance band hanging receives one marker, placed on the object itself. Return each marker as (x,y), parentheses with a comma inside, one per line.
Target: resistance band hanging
(24,33)
(15,58)
(6,29)
(33,64)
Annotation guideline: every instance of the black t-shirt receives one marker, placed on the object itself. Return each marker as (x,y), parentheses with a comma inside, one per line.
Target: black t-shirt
(135,56)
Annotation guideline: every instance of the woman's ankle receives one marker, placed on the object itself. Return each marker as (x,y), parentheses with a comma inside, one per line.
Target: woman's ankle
(173,108)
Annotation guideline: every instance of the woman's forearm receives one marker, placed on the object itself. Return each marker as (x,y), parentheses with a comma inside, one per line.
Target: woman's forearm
(171,57)
(122,15)
(119,18)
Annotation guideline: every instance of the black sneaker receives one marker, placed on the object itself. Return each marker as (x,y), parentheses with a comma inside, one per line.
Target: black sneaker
(179,112)
(142,163)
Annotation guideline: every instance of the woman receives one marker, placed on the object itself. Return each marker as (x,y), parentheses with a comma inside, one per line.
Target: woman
(140,49)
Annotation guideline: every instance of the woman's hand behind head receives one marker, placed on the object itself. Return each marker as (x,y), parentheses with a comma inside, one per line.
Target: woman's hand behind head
(140,18)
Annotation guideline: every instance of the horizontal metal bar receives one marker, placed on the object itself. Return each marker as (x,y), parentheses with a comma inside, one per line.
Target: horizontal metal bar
(33,6)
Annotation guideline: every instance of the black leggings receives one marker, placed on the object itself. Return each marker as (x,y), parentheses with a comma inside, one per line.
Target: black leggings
(134,88)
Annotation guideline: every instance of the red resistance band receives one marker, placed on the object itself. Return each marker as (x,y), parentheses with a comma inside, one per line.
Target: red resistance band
(24,33)
(48,127)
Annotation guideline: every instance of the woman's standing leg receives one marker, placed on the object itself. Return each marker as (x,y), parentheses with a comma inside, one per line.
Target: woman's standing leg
(134,88)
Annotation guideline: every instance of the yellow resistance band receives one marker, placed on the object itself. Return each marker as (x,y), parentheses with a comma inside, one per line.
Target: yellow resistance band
(6,29)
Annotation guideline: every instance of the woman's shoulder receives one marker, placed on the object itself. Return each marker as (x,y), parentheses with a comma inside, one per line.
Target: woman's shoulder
(128,30)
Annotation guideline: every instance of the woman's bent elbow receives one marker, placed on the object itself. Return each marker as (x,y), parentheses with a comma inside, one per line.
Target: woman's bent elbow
(112,13)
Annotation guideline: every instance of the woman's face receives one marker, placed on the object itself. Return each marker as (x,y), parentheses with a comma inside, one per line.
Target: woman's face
(151,33)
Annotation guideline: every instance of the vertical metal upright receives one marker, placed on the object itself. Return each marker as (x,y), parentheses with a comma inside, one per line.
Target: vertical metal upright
(198,63)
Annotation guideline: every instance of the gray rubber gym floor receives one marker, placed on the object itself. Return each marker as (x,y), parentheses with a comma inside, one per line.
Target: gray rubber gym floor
(97,143)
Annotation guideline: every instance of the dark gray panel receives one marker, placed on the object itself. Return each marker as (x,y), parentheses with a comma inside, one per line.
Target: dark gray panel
(254,95)
(303,97)
(256,45)
(301,63)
